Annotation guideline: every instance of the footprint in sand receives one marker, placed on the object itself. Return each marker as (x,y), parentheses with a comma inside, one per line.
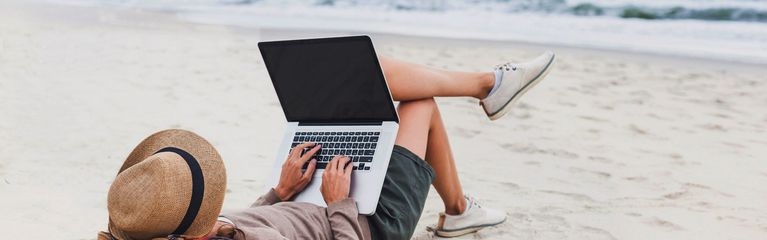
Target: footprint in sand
(731,218)
(521,115)
(607,107)
(533,163)
(713,127)
(575,196)
(641,93)
(636,129)
(636,179)
(549,220)
(532,149)
(695,185)
(591,172)
(567,104)
(597,233)
(466,133)
(592,118)
(561,153)
(523,105)
(664,224)
(676,195)
(599,159)
(655,116)
(677,159)
(690,188)
(721,115)
(510,185)
(633,214)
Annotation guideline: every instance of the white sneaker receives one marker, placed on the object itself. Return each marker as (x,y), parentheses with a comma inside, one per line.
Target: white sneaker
(516,80)
(474,218)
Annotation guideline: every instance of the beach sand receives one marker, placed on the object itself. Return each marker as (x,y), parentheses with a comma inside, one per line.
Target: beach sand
(612,145)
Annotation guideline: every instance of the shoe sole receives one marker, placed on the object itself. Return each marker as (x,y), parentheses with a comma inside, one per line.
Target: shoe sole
(463,231)
(506,107)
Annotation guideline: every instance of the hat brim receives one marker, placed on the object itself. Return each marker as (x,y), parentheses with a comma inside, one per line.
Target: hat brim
(214,174)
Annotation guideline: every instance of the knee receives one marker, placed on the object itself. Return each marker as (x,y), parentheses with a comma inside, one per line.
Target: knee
(420,104)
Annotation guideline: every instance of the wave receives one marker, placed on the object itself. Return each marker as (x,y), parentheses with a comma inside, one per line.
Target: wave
(728,30)
(708,10)
(676,12)
(742,10)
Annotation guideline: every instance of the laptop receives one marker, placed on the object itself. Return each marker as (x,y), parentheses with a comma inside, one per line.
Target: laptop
(333,92)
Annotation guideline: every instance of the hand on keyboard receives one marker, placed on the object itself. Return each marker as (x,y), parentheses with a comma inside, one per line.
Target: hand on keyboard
(292,178)
(336,180)
(359,146)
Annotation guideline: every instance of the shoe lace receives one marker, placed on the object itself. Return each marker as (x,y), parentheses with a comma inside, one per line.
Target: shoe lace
(475,202)
(507,66)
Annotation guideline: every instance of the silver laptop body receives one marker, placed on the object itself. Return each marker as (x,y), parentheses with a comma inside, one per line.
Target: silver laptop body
(333,92)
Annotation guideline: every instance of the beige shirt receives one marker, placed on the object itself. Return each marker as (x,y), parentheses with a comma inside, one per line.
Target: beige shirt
(269,218)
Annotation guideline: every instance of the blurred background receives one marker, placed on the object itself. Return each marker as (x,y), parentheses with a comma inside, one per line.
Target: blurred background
(721,29)
(651,125)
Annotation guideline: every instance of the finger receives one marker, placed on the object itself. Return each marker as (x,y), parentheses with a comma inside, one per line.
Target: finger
(348,169)
(333,165)
(309,154)
(299,149)
(293,152)
(342,163)
(305,145)
(310,169)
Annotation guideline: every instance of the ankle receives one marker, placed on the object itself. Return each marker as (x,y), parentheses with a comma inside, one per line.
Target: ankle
(458,208)
(487,81)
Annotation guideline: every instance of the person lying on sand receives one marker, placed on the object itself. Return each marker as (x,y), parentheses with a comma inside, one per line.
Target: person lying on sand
(150,197)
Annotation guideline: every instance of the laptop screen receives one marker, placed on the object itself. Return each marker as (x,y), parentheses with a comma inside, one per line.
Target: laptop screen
(328,80)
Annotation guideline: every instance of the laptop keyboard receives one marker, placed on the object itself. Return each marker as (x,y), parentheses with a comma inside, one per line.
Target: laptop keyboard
(359,146)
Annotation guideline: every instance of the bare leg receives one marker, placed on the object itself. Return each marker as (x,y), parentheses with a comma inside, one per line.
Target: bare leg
(410,81)
(422,132)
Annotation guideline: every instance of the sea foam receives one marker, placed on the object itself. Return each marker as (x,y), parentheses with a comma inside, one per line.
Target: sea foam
(714,29)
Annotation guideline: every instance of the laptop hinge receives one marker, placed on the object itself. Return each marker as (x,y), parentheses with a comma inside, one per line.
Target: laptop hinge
(371,123)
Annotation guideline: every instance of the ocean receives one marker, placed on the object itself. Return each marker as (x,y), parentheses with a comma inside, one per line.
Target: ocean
(734,30)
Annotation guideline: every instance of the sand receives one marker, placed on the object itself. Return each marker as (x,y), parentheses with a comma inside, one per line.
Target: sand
(612,145)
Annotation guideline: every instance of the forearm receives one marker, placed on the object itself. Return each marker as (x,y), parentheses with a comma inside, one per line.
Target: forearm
(269,198)
(282,193)
(344,222)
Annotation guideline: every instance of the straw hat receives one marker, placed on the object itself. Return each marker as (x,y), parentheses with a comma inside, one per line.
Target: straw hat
(171,185)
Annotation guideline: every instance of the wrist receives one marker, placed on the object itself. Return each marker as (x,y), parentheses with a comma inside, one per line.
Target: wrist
(335,200)
(282,193)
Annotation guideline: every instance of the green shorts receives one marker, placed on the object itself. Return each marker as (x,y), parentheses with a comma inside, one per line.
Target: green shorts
(403,196)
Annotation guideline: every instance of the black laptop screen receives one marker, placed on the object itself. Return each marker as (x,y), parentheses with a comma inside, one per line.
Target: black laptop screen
(328,80)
